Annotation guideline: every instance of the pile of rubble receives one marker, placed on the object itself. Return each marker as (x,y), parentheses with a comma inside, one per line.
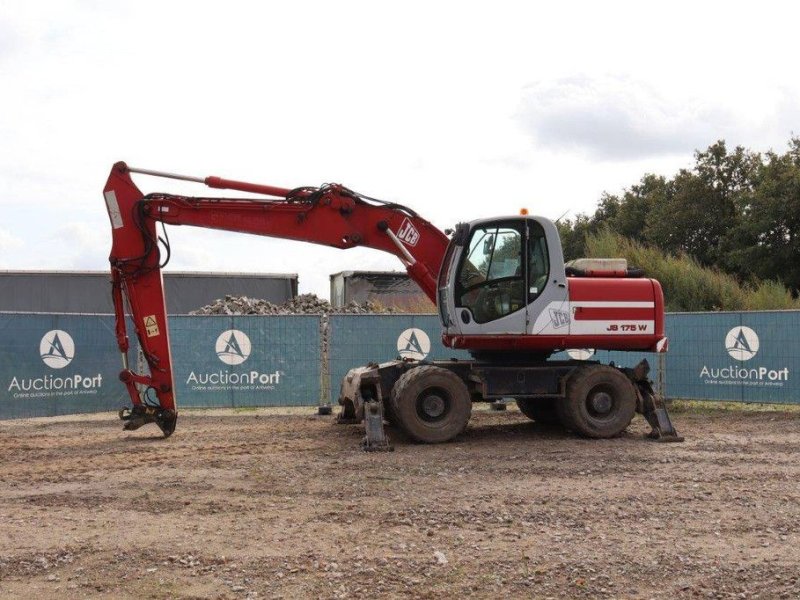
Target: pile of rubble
(304,304)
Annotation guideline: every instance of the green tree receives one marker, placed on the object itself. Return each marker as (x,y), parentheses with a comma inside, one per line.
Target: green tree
(766,241)
(573,236)
(636,204)
(699,207)
(737,211)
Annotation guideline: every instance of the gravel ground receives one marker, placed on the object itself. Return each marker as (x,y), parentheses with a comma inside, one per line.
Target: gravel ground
(261,505)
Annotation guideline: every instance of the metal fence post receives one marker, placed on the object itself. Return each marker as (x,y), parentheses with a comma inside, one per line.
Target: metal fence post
(324,407)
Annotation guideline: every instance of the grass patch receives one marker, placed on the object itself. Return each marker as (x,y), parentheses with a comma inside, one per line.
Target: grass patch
(687,285)
(707,407)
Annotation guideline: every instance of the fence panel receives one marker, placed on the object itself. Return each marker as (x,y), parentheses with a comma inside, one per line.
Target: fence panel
(58,364)
(740,357)
(53,364)
(239,361)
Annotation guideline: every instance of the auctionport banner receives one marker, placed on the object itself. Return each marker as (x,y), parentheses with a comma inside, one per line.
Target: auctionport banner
(58,364)
(239,361)
(745,357)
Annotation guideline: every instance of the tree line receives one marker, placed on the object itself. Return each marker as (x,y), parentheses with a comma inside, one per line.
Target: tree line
(736,211)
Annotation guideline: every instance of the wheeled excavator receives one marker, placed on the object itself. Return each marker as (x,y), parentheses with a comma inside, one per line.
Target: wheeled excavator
(501,287)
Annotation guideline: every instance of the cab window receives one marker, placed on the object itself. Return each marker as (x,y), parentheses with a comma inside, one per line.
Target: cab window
(490,279)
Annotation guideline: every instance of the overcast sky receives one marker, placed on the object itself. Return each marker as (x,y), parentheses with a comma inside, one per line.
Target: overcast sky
(460,110)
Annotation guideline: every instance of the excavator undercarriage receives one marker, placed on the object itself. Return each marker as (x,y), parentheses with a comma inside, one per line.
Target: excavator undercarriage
(438,399)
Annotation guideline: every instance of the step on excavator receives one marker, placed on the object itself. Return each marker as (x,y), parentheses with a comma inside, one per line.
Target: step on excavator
(501,287)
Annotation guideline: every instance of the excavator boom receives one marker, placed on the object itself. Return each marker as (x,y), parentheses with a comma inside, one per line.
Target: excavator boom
(330,215)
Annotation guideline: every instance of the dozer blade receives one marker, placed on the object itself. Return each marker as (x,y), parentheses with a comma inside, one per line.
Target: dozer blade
(140,415)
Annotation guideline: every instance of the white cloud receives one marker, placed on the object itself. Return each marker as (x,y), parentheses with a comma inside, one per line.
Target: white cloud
(622,118)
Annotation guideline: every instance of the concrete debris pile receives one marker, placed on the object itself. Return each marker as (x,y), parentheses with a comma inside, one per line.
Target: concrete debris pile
(304,304)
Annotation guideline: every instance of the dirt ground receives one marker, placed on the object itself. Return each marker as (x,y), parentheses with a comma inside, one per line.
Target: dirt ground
(265,505)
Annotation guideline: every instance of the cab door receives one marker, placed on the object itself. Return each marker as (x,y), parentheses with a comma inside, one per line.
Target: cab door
(548,309)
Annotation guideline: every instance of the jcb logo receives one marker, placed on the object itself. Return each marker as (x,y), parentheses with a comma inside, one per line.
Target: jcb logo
(407,233)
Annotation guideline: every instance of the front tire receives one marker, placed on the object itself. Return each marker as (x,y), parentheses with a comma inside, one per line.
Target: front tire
(431,404)
(600,402)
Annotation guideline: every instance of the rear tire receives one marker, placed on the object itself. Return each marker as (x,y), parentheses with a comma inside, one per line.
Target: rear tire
(431,404)
(541,410)
(600,402)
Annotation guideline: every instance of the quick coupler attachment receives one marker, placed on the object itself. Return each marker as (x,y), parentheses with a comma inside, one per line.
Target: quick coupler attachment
(140,415)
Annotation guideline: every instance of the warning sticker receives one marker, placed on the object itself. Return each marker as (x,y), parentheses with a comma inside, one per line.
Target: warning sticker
(151,325)
(113,209)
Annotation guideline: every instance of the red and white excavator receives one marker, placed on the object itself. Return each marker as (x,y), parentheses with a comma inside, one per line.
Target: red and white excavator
(501,287)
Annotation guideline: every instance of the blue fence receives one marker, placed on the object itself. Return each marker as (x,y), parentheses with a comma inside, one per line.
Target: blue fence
(58,364)
(66,364)
(741,357)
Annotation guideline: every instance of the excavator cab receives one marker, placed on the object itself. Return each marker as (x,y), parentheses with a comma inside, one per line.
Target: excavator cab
(500,275)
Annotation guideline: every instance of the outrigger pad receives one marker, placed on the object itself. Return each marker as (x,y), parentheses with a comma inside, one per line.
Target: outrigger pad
(653,406)
(375,440)
(663,431)
(347,416)
(656,414)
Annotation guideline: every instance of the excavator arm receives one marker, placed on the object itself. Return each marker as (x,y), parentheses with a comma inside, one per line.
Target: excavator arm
(330,215)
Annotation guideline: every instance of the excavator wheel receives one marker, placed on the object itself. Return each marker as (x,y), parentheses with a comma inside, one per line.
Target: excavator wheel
(431,404)
(542,410)
(600,402)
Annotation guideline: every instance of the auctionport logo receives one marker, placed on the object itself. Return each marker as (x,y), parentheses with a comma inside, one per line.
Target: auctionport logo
(413,343)
(742,343)
(233,347)
(57,349)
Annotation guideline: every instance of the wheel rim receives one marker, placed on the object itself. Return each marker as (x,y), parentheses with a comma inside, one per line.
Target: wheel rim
(433,405)
(600,403)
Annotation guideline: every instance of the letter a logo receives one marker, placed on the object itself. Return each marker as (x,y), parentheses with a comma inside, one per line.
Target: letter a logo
(742,343)
(233,347)
(413,343)
(57,349)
